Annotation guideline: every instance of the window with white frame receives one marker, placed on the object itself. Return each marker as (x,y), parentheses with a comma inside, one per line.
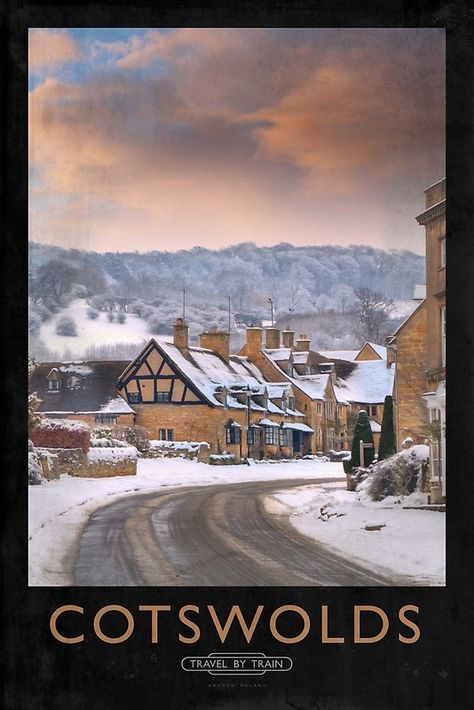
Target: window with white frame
(134,397)
(271,435)
(162,396)
(232,434)
(166,434)
(105,419)
(53,385)
(371,410)
(283,433)
(442,246)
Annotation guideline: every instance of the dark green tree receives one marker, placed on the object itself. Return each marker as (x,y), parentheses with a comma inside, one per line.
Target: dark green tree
(387,435)
(362,431)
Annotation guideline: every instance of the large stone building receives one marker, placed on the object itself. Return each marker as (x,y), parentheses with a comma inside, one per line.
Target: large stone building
(434,220)
(418,349)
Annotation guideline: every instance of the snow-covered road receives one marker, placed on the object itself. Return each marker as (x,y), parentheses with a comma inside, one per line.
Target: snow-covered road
(408,548)
(58,510)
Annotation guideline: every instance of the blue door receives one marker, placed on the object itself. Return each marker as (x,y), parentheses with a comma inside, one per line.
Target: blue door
(296,441)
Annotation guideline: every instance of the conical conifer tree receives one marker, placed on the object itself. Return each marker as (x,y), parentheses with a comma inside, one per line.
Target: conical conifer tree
(387,435)
(362,431)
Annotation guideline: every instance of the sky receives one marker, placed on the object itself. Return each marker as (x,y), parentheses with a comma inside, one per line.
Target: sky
(169,139)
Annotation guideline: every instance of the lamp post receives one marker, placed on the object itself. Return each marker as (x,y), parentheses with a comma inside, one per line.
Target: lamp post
(248,394)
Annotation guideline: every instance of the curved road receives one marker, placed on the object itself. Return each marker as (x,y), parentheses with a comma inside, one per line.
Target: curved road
(208,536)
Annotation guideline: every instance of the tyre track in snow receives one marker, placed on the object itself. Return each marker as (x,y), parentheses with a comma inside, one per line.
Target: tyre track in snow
(214,535)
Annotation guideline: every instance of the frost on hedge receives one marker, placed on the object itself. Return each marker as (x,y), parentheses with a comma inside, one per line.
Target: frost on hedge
(400,475)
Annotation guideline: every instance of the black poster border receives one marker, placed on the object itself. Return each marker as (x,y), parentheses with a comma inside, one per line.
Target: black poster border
(435,672)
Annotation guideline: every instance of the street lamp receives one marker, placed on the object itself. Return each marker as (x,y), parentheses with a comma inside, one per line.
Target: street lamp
(248,394)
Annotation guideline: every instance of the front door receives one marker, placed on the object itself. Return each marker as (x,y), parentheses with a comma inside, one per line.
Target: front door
(296,441)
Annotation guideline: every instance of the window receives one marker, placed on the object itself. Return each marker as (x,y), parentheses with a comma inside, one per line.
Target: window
(371,410)
(283,437)
(53,385)
(252,436)
(166,434)
(443,336)
(291,403)
(162,396)
(270,435)
(105,419)
(134,397)
(232,434)
(318,407)
(329,409)
(442,245)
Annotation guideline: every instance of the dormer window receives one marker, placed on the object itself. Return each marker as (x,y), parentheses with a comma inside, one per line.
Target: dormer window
(54,380)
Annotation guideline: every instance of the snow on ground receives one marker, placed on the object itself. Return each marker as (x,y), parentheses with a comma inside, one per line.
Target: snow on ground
(90,332)
(410,543)
(58,510)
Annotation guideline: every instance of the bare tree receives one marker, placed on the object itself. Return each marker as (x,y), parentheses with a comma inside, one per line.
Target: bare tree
(373,309)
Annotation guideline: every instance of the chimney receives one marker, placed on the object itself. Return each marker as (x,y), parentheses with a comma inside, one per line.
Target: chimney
(254,343)
(217,341)
(180,334)
(288,338)
(303,343)
(272,338)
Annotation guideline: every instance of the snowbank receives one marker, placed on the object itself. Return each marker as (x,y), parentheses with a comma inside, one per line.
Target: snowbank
(385,536)
(99,454)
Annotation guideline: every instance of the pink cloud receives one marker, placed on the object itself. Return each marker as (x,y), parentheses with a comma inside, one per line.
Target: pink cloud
(49,49)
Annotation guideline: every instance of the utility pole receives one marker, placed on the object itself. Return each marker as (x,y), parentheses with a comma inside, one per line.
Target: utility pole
(270,301)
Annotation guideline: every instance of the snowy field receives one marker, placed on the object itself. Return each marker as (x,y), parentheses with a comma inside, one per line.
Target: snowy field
(410,543)
(58,510)
(90,332)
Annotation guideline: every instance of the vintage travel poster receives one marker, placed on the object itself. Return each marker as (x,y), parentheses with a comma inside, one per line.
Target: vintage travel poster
(237,439)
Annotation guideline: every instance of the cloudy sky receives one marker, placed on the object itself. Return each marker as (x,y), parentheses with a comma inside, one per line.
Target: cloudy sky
(168,139)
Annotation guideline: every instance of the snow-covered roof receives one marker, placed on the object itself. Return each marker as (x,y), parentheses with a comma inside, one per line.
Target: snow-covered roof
(419,292)
(279,354)
(312,385)
(299,427)
(207,371)
(84,387)
(381,350)
(267,422)
(117,405)
(339,354)
(368,383)
(375,426)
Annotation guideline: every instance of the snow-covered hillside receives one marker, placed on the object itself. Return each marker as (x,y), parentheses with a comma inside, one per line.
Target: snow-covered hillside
(91,332)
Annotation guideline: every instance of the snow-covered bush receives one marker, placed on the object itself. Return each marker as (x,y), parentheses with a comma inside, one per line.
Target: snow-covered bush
(62,434)
(92,313)
(121,318)
(400,475)
(33,417)
(66,326)
(103,437)
(35,471)
(135,436)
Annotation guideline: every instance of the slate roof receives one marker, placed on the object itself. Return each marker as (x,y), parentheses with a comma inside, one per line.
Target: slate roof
(85,387)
